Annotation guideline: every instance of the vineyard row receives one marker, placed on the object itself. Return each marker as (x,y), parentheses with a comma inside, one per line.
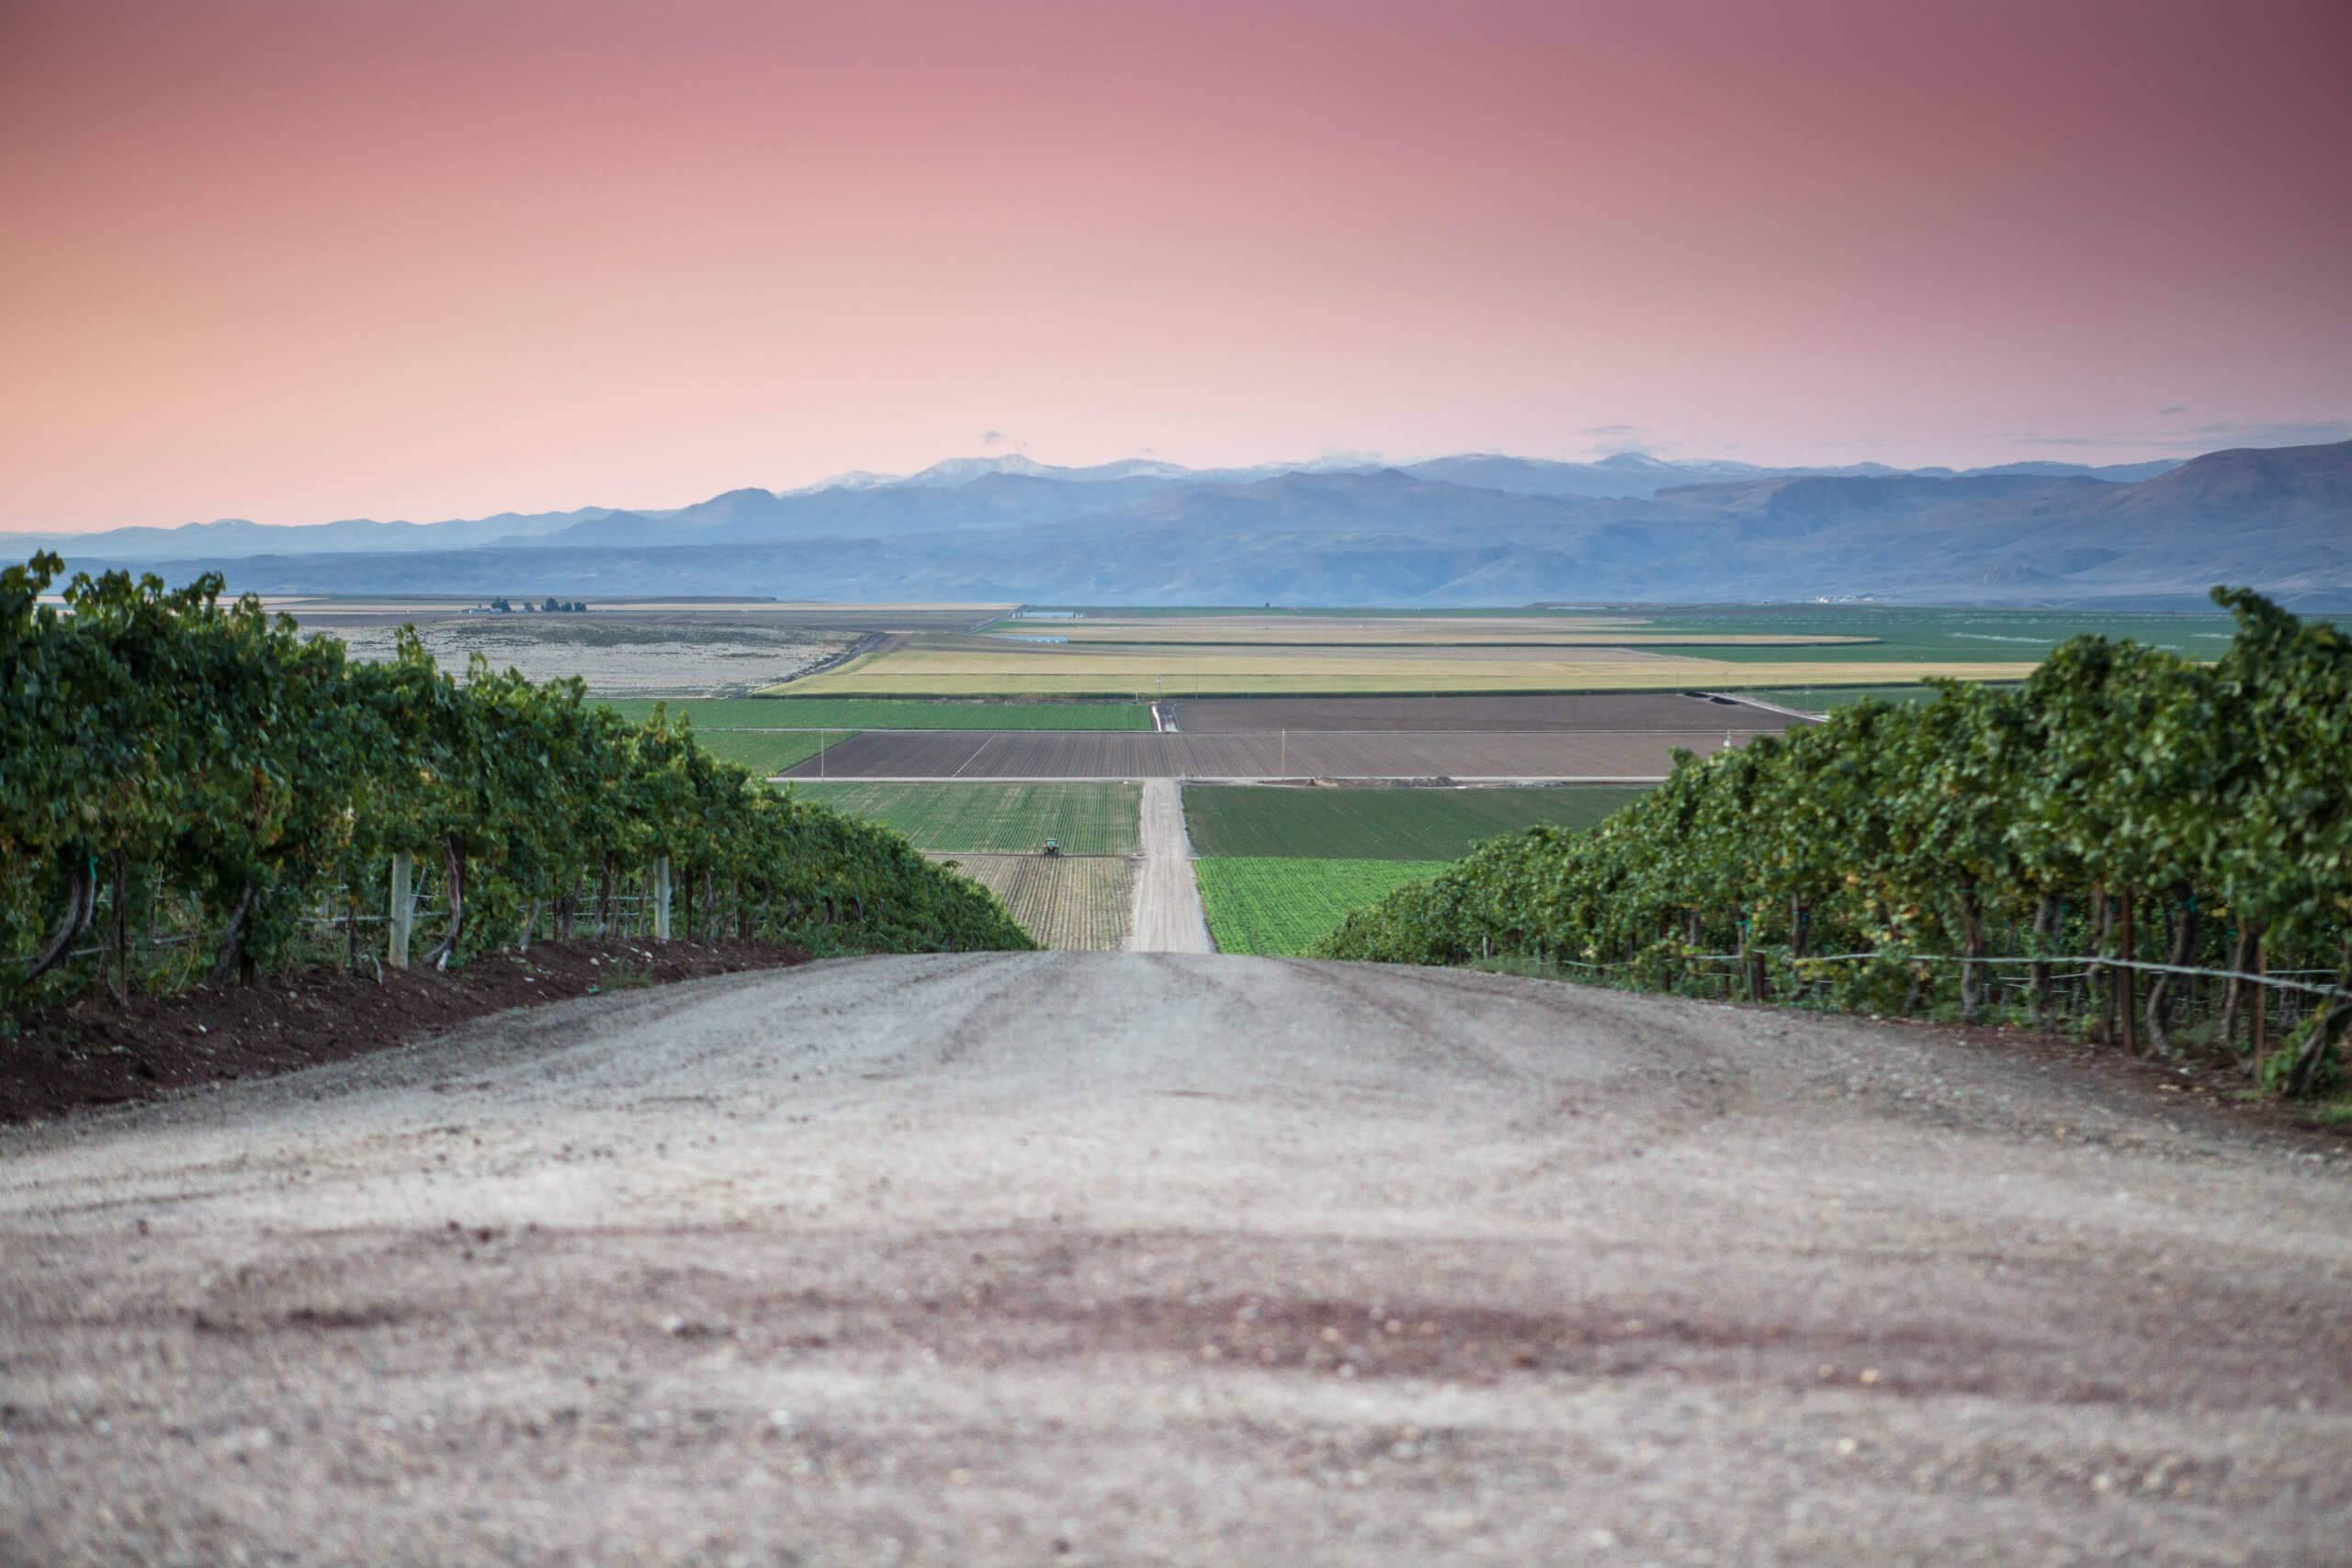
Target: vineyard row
(2157,815)
(195,767)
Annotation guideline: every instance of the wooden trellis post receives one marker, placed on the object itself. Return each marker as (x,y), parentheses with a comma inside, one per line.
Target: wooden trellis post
(662,898)
(404,906)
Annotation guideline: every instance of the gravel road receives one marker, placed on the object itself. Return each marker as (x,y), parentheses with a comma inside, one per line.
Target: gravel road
(1168,915)
(1134,1258)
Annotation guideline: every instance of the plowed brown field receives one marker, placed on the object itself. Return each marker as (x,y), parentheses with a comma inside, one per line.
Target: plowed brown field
(1032,754)
(1433,715)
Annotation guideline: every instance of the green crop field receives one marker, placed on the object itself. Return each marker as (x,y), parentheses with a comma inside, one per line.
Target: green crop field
(975,819)
(1821,699)
(1076,904)
(1906,633)
(1378,824)
(1909,634)
(1103,667)
(887,713)
(1282,906)
(768,751)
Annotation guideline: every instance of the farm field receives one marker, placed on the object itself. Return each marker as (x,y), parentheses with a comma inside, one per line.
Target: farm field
(1637,755)
(875,616)
(1072,904)
(1276,822)
(998,667)
(893,713)
(1280,906)
(769,752)
(1822,699)
(1909,633)
(1084,819)
(908,617)
(1617,711)
(645,655)
(1177,615)
(1392,632)
(1905,631)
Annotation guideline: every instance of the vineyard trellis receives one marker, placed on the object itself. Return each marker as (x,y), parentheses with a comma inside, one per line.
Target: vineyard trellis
(176,770)
(2124,810)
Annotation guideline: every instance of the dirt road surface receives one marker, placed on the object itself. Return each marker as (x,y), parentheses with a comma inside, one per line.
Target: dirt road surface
(1123,1259)
(1168,914)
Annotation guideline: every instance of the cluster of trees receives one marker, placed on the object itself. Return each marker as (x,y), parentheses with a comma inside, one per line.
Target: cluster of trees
(170,763)
(2122,804)
(550,605)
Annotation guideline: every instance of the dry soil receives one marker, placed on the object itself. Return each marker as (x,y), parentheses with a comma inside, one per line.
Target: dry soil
(1136,1258)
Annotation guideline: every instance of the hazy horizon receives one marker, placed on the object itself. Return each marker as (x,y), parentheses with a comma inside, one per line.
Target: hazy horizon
(1338,458)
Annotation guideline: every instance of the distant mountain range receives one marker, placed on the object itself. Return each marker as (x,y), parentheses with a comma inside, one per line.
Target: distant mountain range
(1476,528)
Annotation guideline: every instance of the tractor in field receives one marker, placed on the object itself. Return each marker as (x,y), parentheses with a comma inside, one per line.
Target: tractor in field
(1054,848)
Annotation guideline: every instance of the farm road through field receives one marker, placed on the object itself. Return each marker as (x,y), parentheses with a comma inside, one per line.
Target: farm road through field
(1167,913)
(1125,1259)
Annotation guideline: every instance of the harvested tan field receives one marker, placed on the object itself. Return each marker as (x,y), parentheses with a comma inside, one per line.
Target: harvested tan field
(1609,653)
(1048,755)
(1069,903)
(1632,710)
(1396,632)
(1001,666)
(1319,628)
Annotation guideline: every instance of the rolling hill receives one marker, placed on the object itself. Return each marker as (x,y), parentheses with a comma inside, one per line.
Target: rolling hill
(1474,529)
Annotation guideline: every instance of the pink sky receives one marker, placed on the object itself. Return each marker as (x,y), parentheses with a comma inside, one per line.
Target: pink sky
(295,262)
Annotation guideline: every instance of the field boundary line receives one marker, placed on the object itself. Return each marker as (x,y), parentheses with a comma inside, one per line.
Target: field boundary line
(987,741)
(1775,707)
(1215,735)
(1268,779)
(1027,854)
(2010,675)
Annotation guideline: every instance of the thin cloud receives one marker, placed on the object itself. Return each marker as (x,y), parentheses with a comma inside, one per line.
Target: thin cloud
(1618,440)
(2205,437)
(992,437)
(2286,432)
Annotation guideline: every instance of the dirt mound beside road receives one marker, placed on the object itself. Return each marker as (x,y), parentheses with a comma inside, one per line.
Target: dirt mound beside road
(1102,1258)
(95,1051)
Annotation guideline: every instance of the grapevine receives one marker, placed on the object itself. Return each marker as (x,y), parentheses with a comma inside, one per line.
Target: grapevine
(170,761)
(2123,804)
